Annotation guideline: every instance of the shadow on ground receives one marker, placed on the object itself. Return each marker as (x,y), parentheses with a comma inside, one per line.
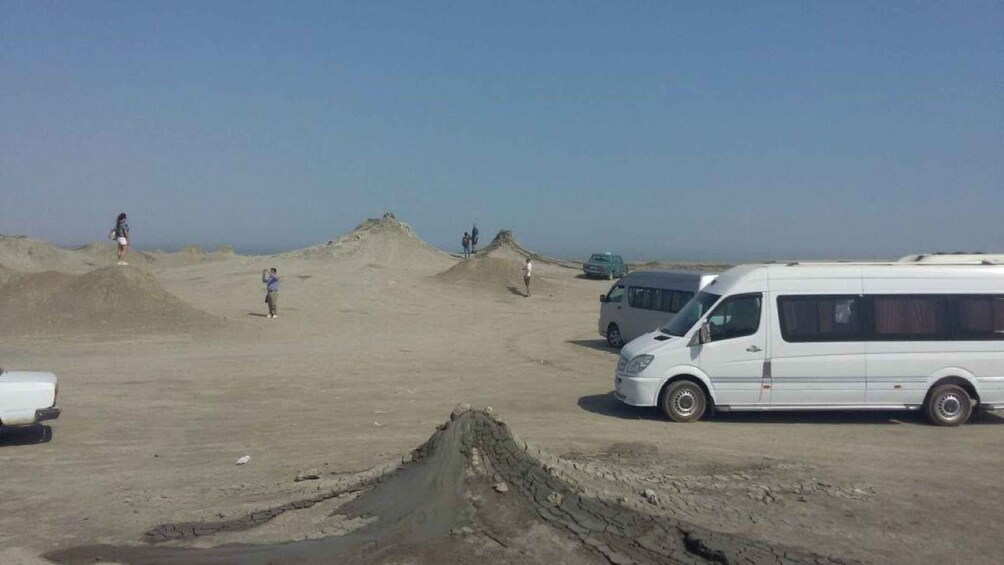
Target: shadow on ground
(25,435)
(597,344)
(608,405)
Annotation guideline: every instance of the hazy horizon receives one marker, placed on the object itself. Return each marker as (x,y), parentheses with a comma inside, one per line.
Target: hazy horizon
(660,131)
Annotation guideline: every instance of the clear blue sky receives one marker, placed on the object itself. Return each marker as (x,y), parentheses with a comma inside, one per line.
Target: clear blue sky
(660,129)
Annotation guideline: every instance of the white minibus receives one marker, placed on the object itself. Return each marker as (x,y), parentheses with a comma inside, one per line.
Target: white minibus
(645,300)
(816,336)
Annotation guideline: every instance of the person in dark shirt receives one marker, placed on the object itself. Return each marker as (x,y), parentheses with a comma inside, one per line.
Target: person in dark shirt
(474,238)
(121,236)
(466,243)
(271,280)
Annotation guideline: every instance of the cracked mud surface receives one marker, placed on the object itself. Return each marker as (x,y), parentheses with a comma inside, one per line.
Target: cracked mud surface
(473,492)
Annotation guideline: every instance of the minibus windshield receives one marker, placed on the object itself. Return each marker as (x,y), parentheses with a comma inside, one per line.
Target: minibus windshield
(690,313)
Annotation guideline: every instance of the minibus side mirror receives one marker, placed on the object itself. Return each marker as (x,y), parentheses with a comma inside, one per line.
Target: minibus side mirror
(702,336)
(603,298)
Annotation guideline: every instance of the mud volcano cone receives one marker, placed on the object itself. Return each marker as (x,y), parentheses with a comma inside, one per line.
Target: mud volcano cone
(446,504)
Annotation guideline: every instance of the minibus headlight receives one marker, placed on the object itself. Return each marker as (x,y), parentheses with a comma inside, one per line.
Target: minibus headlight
(638,364)
(621,363)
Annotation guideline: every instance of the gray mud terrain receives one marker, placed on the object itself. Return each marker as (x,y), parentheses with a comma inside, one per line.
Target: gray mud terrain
(473,493)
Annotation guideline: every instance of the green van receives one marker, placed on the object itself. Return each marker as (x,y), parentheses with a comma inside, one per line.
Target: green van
(604,265)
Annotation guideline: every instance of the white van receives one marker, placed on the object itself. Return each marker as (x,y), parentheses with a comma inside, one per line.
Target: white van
(645,300)
(828,336)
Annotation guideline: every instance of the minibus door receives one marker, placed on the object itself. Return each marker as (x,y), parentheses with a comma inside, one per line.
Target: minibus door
(734,358)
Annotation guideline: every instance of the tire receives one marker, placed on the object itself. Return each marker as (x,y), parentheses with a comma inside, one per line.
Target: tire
(614,337)
(949,405)
(683,401)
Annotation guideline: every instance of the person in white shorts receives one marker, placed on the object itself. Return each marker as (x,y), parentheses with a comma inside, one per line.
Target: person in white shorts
(121,235)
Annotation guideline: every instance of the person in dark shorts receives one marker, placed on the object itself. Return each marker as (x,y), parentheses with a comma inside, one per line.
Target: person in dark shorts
(271,280)
(474,238)
(526,275)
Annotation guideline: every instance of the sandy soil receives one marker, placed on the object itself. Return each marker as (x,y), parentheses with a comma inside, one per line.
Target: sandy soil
(371,352)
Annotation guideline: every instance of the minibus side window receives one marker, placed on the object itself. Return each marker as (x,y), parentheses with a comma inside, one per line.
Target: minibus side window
(820,318)
(898,318)
(978,317)
(736,317)
(616,293)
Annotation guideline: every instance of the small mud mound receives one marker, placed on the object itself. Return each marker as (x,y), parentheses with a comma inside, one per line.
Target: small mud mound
(108,300)
(472,494)
(380,242)
(494,273)
(505,245)
(30,256)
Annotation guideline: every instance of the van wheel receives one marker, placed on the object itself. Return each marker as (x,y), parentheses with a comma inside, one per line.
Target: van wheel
(949,405)
(614,337)
(683,401)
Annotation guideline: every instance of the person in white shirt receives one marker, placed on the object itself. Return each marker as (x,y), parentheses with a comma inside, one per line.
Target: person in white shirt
(526,275)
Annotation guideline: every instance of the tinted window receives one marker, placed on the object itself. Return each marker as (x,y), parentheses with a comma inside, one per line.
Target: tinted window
(616,293)
(736,317)
(978,317)
(909,317)
(820,318)
(661,299)
(599,258)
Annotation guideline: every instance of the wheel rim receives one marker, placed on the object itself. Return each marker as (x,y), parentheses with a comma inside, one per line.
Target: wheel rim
(949,407)
(685,403)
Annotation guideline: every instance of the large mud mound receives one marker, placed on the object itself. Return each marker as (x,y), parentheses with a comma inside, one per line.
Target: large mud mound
(30,255)
(494,273)
(504,245)
(108,300)
(468,495)
(381,242)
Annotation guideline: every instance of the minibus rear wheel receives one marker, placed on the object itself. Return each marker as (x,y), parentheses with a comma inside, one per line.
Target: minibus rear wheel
(683,401)
(949,405)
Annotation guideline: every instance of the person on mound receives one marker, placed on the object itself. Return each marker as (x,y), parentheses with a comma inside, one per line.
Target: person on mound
(466,242)
(474,238)
(271,280)
(121,235)
(526,275)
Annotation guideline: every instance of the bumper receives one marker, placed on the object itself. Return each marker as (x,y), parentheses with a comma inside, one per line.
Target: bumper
(50,413)
(636,391)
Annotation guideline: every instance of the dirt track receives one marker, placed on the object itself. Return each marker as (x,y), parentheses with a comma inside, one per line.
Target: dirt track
(366,359)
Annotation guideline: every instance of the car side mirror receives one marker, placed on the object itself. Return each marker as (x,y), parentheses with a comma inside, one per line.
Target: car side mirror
(603,298)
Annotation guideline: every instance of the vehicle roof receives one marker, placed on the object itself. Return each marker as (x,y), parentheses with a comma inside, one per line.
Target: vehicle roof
(870,273)
(659,278)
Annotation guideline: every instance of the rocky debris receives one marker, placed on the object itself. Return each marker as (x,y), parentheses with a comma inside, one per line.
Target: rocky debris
(460,410)
(651,497)
(555,498)
(244,460)
(300,477)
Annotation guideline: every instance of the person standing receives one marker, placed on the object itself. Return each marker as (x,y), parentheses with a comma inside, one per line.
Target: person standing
(271,280)
(474,238)
(121,235)
(527,269)
(466,242)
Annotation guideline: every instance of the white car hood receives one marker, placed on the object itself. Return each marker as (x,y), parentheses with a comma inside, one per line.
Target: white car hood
(28,377)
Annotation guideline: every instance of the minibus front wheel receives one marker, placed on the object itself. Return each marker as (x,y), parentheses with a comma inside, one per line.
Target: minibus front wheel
(614,337)
(683,401)
(949,405)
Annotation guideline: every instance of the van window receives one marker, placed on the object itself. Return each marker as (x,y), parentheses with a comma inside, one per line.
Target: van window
(736,317)
(978,317)
(820,318)
(690,313)
(661,299)
(616,293)
(910,317)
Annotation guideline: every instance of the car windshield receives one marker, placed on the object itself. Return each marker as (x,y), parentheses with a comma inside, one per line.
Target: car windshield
(600,258)
(691,312)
